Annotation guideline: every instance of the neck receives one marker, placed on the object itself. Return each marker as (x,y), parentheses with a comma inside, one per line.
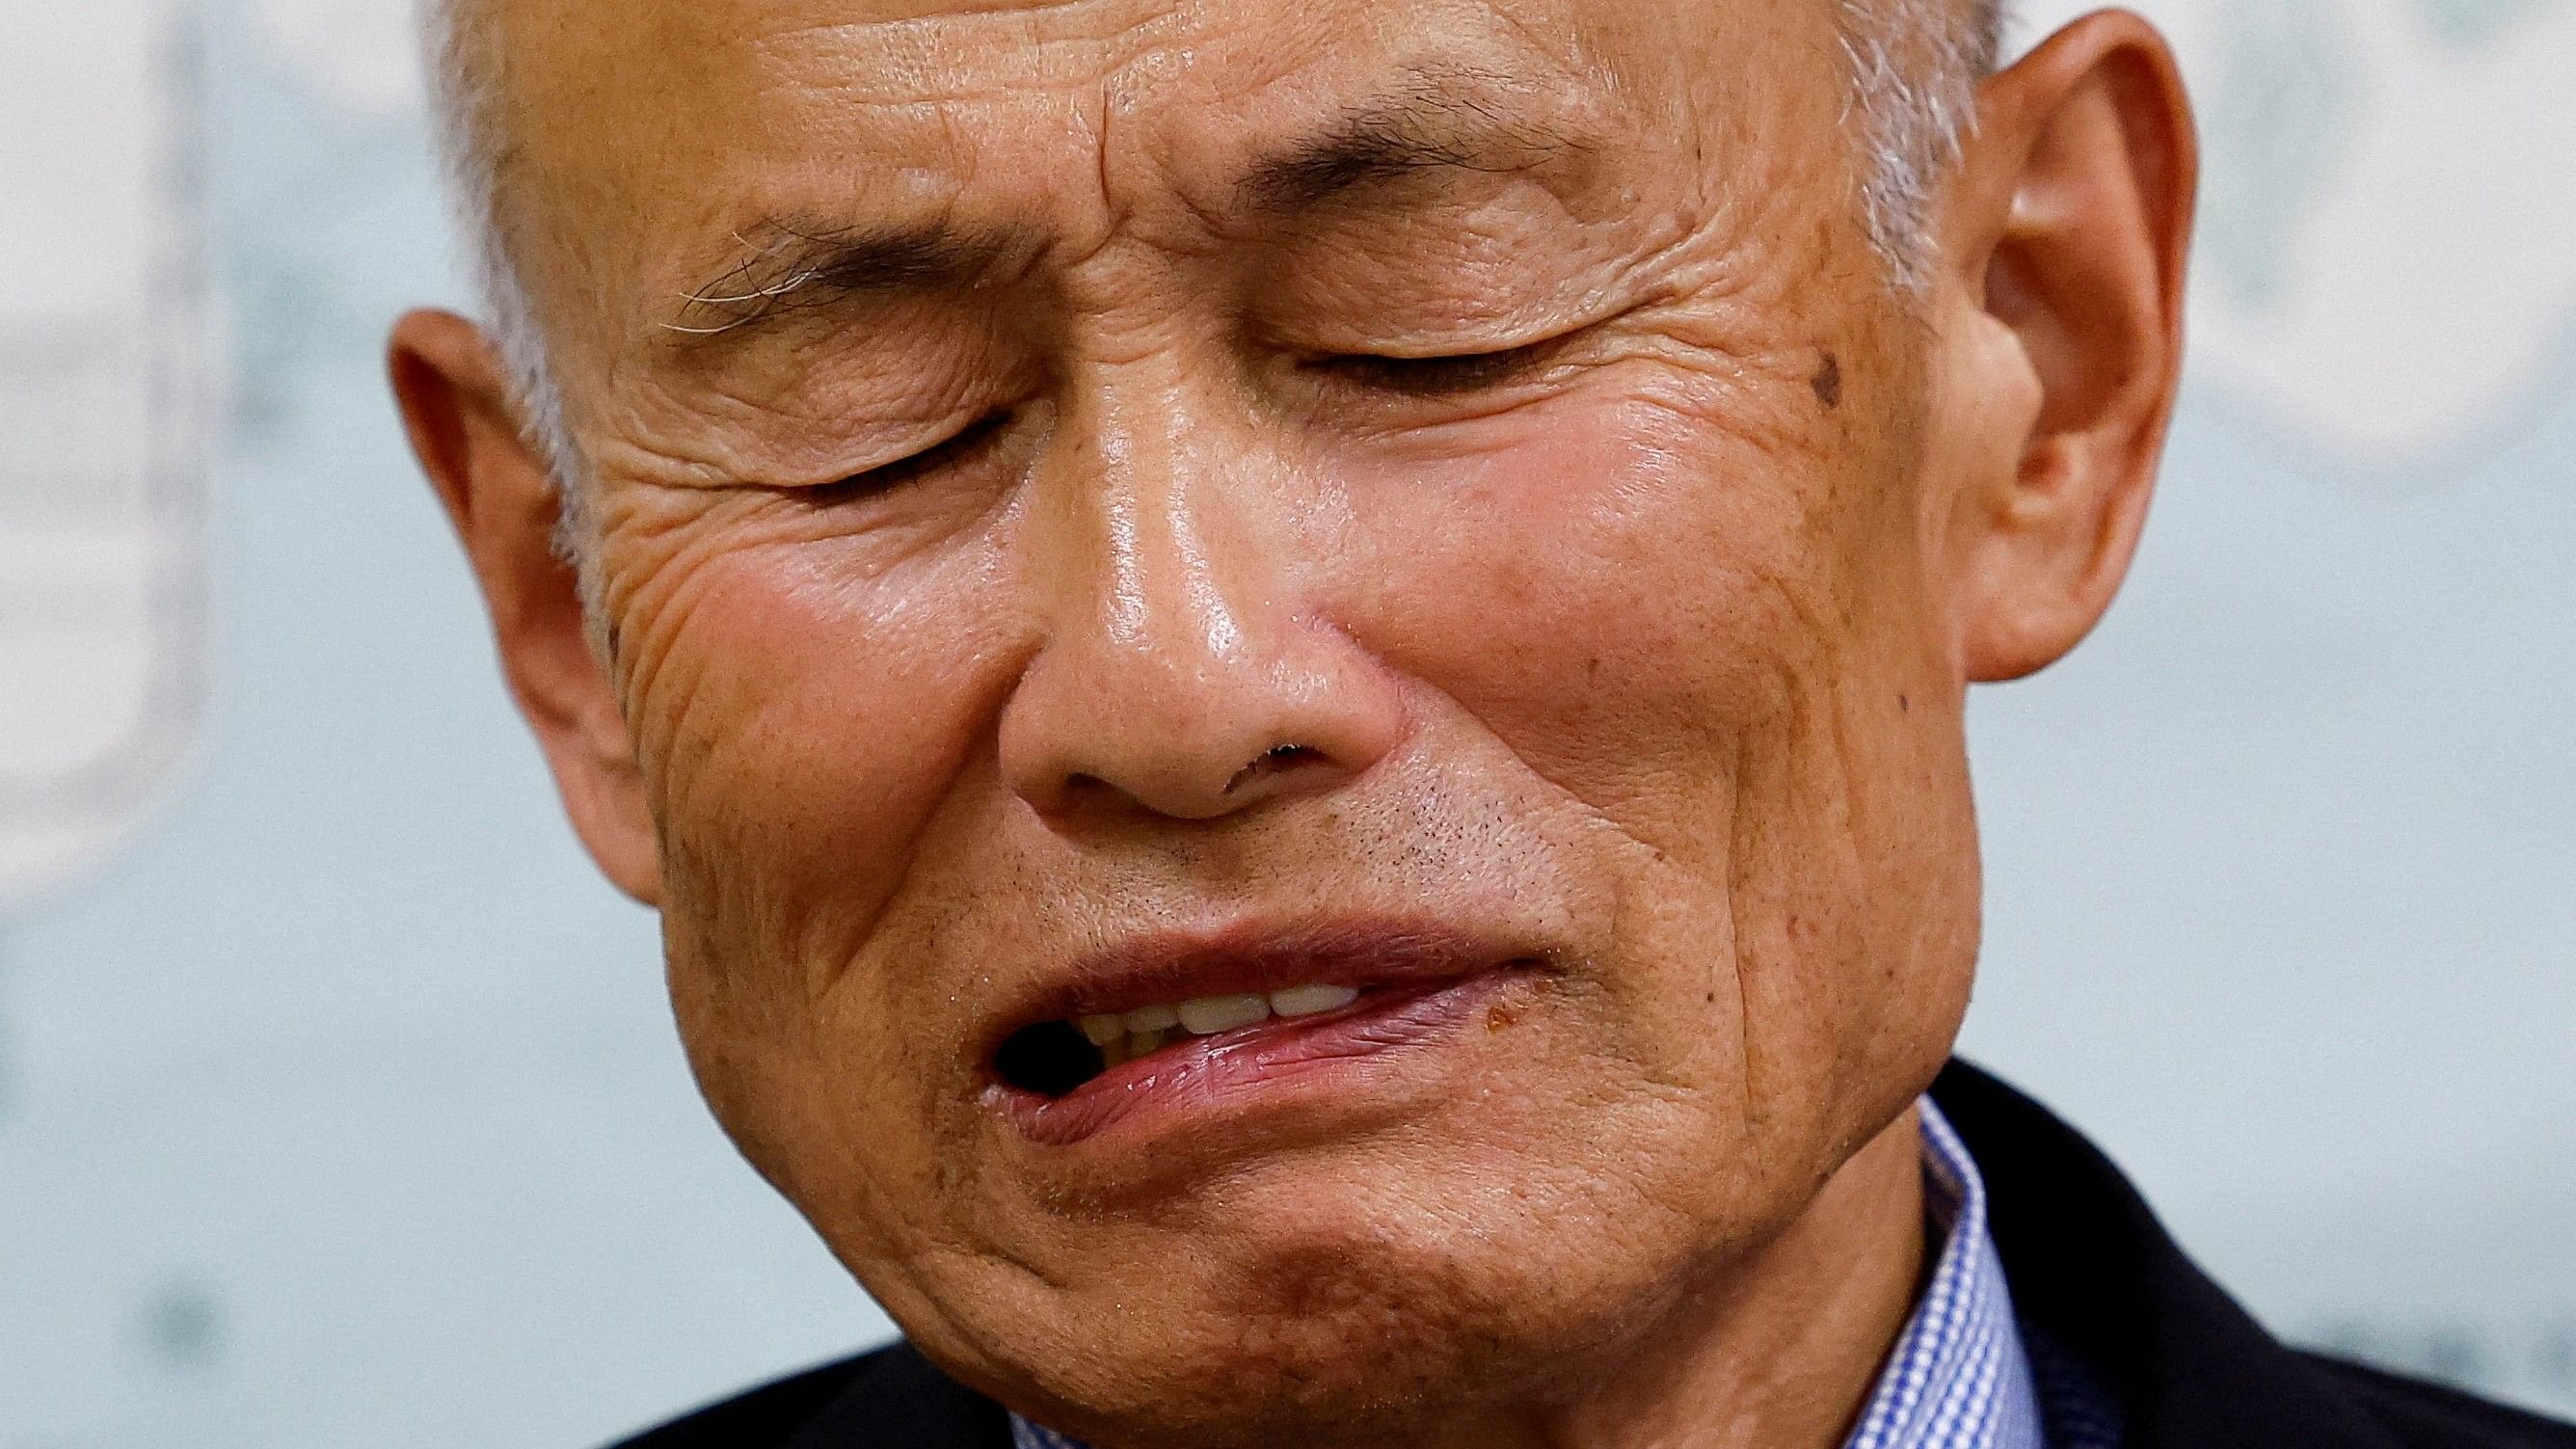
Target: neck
(1779,1351)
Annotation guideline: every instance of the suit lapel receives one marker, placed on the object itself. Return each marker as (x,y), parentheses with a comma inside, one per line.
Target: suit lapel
(2090,1265)
(902,1402)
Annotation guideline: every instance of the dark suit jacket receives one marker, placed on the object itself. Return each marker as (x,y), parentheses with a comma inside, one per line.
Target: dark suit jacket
(2088,1265)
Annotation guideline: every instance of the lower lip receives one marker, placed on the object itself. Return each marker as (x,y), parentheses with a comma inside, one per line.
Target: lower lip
(1256,1063)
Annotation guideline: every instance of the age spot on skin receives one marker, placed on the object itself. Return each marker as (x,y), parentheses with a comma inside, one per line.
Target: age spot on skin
(1500,1016)
(1828,381)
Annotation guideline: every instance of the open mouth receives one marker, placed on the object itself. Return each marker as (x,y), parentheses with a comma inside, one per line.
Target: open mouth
(1200,1022)
(1060,1086)
(1054,1058)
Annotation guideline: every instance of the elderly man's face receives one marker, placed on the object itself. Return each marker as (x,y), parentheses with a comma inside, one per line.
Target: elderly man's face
(1104,505)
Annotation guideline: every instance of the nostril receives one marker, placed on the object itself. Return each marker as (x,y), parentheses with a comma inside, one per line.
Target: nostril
(1272,761)
(1050,1059)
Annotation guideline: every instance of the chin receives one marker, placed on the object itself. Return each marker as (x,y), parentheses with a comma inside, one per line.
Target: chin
(1397,1314)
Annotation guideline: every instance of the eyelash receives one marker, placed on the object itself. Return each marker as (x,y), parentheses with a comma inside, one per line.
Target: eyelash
(1436,377)
(1414,377)
(955,448)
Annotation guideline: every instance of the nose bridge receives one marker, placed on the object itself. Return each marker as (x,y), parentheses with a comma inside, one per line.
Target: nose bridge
(1182,671)
(1166,545)
(1154,588)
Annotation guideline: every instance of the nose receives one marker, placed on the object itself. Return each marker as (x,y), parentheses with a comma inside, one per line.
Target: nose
(1187,671)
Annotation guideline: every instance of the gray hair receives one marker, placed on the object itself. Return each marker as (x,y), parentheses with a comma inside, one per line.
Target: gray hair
(1914,68)
(464,94)
(1915,65)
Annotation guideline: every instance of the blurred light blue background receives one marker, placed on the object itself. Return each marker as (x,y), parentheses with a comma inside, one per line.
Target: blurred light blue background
(340,1105)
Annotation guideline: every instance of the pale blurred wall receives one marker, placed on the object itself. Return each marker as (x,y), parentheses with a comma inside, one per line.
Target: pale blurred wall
(339,1105)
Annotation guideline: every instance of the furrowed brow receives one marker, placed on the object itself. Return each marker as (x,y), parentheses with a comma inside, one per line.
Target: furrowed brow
(1441,123)
(789,266)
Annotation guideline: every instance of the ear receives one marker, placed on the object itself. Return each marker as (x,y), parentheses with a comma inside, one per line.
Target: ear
(465,429)
(2067,228)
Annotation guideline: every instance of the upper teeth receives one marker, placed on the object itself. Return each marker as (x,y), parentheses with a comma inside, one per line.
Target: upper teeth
(1208,1015)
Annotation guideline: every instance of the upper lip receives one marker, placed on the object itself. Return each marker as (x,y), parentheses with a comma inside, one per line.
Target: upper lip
(1255,958)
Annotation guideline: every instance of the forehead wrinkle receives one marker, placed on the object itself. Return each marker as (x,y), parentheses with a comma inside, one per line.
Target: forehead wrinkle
(1435,115)
(798,61)
(1489,100)
(932,59)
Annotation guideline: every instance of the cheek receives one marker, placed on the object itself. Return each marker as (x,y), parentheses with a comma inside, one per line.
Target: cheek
(801,715)
(1623,600)
(801,725)
(1683,631)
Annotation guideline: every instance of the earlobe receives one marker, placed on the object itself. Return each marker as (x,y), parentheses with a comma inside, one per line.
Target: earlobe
(464,429)
(2072,216)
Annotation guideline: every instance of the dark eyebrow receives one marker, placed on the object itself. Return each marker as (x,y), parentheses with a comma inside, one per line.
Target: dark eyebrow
(1436,124)
(790,265)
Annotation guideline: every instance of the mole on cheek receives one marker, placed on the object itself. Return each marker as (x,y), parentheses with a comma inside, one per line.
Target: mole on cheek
(1828,381)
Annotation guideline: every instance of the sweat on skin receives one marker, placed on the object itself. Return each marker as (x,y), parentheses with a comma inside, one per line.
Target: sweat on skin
(1111,505)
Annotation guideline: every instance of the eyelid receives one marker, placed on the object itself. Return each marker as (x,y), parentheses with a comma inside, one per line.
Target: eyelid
(895,472)
(1534,331)
(1468,371)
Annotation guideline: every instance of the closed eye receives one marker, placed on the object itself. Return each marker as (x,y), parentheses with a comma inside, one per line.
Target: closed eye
(956,448)
(1431,377)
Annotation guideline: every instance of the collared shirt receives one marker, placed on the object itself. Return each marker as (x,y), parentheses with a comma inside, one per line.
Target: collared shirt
(1958,1377)
(1961,1375)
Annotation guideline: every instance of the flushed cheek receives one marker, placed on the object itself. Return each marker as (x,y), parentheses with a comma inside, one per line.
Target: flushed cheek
(1635,611)
(1611,596)
(823,729)
(799,723)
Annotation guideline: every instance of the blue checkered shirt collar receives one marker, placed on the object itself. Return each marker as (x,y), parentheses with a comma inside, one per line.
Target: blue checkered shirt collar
(1960,1376)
